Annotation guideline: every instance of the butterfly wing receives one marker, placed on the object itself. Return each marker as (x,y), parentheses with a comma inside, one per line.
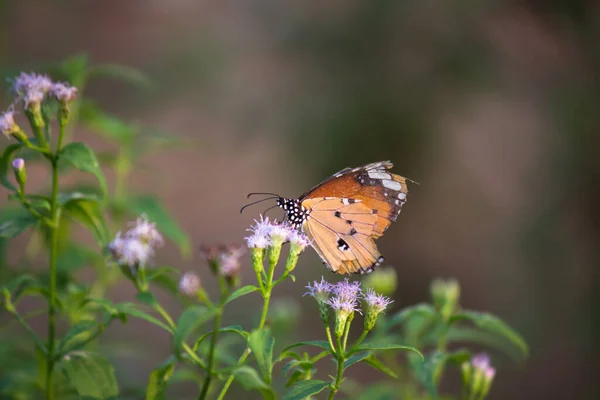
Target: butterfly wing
(351,209)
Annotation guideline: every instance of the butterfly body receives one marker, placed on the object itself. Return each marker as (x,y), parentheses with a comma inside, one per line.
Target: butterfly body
(344,214)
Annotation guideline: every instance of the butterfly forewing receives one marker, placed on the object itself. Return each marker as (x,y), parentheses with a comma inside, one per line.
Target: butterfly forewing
(350,209)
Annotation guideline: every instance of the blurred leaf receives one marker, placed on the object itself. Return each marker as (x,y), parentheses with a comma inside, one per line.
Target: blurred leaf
(74,67)
(379,391)
(261,342)
(244,290)
(376,346)
(121,72)
(79,194)
(317,343)
(163,277)
(355,358)
(155,390)
(89,214)
(304,365)
(83,158)
(233,328)
(91,374)
(6,165)
(492,324)
(156,213)
(14,227)
(133,310)
(76,334)
(304,389)
(472,335)
(105,124)
(250,380)
(423,310)
(424,371)
(190,319)
(377,364)
(146,298)
(75,257)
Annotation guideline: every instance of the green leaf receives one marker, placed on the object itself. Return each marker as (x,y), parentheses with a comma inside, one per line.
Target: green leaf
(233,328)
(156,213)
(380,391)
(492,324)
(122,72)
(377,364)
(317,343)
(261,342)
(244,290)
(190,319)
(356,358)
(146,298)
(133,310)
(158,380)
(90,374)
(84,159)
(424,371)
(15,226)
(89,214)
(375,346)
(79,194)
(250,380)
(302,364)
(304,389)
(6,165)
(105,124)
(77,334)
(422,310)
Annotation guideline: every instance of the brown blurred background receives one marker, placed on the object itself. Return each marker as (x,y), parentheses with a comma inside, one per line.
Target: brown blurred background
(492,106)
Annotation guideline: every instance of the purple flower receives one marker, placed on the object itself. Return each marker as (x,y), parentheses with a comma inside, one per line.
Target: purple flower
(261,233)
(136,247)
(481,362)
(376,302)
(7,123)
(26,83)
(18,163)
(146,232)
(319,290)
(63,92)
(347,290)
(342,305)
(189,284)
(298,240)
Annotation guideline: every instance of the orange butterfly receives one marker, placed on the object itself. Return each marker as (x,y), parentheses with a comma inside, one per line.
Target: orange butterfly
(345,213)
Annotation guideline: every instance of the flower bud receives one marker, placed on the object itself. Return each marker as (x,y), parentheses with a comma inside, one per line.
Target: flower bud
(9,128)
(382,280)
(375,304)
(189,284)
(320,291)
(65,94)
(445,294)
(18,165)
(477,376)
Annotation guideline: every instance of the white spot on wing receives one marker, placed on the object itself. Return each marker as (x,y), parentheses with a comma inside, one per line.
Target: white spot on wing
(392,184)
(379,175)
(345,202)
(402,196)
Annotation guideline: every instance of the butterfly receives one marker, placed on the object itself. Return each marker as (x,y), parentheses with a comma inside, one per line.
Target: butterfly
(344,214)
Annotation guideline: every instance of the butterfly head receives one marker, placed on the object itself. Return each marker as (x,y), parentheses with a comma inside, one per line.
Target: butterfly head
(294,210)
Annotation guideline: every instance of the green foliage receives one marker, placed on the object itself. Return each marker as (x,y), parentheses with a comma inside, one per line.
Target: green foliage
(90,374)
(84,159)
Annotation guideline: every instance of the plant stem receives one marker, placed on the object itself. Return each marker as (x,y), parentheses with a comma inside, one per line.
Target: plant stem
(211,355)
(52,300)
(328,331)
(340,369)
(268,287)
(362,337)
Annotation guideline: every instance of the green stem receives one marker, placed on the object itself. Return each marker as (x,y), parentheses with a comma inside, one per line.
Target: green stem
(33,335)
(328,331)
(211,355)
(268,287)
(347,331)
(362,337)
(340,370)
(52,300)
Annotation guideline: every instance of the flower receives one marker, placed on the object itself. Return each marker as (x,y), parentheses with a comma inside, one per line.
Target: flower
(347,290)
(344,303)
(298,241)
(63,92)
(18,164)
(261,233)
(189,284)
(136,247)
(223,259)
(7,123)
(319,290)
(478,375)
(375,304)
(32,88)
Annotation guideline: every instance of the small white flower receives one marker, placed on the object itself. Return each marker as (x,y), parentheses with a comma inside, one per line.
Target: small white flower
(261,233)
(298,239)
(7,123)
(229,261)
(63,92)
(189,284)
(145,231)
(26,83)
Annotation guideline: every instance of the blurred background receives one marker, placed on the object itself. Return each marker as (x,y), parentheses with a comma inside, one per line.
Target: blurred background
(492,106)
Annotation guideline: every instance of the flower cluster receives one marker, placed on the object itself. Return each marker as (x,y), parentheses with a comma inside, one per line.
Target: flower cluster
(189,284)
(478,375)
(266,233)
(343,298)
(136,247)
(223,260)
(33,88)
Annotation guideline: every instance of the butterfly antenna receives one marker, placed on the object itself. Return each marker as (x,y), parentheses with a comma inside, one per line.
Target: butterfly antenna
(270,208)
(410,180)
(262,193)
(258,201)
